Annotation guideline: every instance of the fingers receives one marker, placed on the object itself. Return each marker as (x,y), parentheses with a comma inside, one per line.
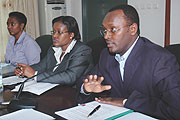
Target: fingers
(94,78)
(106,87)
(17,71)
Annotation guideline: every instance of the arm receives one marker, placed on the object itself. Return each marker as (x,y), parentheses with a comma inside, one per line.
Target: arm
(164,103)
(70,70)
(32,52)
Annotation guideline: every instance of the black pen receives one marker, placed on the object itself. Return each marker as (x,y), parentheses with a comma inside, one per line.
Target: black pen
(95,109)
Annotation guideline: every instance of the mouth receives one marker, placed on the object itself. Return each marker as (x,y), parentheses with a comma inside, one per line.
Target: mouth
(10,31)
(109,43)
(55,41)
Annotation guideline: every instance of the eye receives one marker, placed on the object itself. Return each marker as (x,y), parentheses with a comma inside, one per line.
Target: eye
(113,30)
(59,32)
(53,32)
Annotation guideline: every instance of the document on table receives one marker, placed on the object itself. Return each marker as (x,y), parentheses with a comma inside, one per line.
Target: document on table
(81,112)
(30,86)
(12,80)
(5,64)
(7,68)
(36,87)
(136,116)
(26,114)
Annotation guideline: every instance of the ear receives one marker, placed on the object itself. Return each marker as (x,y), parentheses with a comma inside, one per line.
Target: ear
(133,29)
(22,26)
(72,35)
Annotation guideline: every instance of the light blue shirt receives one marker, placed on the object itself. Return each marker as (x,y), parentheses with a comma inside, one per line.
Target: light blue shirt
(122,59)
(26,50)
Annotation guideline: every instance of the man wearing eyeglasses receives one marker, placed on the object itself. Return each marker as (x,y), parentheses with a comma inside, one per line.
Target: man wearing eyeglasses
(133,72)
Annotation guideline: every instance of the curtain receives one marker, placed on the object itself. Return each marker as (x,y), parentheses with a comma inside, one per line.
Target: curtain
(5,8)
(29,8)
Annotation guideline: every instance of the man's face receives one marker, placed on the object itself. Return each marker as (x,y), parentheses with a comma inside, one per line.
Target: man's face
(118,36)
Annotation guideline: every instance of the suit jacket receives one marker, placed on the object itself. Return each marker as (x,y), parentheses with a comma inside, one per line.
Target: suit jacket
(151,80)
(73,65)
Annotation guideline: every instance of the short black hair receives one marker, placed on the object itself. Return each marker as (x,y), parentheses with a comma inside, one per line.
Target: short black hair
(71,24)
(130,12)
(21,18)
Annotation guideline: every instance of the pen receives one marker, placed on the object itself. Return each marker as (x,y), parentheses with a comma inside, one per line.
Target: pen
(95,109)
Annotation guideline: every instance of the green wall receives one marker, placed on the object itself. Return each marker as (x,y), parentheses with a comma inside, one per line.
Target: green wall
(93,12)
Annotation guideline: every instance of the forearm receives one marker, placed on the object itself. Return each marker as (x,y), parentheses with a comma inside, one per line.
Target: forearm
(153,106)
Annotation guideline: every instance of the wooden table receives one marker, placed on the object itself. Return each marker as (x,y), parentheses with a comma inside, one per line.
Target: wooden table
(58,98)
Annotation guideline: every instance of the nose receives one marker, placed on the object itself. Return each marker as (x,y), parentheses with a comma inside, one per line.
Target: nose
(55,35)
(107,35)
(8,26)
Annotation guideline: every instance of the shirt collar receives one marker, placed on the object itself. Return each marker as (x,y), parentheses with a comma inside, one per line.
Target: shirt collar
(119,58)
(58,50)
(21,38)
(69,48)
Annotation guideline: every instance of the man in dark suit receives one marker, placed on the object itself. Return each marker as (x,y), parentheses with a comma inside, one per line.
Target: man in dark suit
(133,72)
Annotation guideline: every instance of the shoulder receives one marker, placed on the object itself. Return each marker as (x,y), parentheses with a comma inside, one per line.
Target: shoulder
(153,52)
(80,46)
(152,48)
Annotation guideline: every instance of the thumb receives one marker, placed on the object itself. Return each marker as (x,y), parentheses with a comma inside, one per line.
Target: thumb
(106,87)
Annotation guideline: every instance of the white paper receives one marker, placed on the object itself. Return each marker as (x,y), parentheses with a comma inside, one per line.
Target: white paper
(26,114)
(5,64)
(135,116)
(7,68)
(81,112)
(12,80)
(36,87)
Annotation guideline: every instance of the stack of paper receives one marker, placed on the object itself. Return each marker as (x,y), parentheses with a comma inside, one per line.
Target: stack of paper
(105,112)
(26,114)
(30,86)
(81,112)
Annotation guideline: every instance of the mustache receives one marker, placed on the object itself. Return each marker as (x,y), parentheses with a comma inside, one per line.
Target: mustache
(55,40)
(109,41)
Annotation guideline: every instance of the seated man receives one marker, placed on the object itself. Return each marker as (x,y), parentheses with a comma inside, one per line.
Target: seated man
(133,72)
(66,60)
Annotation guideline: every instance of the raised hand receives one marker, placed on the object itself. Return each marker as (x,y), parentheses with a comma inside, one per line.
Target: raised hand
(93,84)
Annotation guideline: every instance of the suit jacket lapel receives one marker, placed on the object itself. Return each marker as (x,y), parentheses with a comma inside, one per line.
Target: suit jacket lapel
(67,58)
(133,62)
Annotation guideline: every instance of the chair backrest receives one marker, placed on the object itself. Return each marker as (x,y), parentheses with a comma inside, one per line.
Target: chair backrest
(44,41)
(96,45)
(174,49)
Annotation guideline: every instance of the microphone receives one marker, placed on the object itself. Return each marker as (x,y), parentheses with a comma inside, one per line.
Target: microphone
(29,103)
(25,103)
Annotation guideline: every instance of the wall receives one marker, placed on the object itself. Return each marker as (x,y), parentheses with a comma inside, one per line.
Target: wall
(152,19)
(74,8)
(175,22)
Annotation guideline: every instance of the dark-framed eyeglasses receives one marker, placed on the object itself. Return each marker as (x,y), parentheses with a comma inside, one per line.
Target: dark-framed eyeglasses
(58,32)
(110,32)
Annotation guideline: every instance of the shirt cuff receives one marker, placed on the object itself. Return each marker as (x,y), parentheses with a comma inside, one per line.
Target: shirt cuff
(35,78)
(124,101)
(82,90)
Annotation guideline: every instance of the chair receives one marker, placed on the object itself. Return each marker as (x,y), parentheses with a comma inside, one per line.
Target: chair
(96,45)
(44,41)
(174,49)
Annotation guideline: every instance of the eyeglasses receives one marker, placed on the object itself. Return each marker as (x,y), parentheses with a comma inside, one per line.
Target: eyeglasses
(110,32)
(58,32)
